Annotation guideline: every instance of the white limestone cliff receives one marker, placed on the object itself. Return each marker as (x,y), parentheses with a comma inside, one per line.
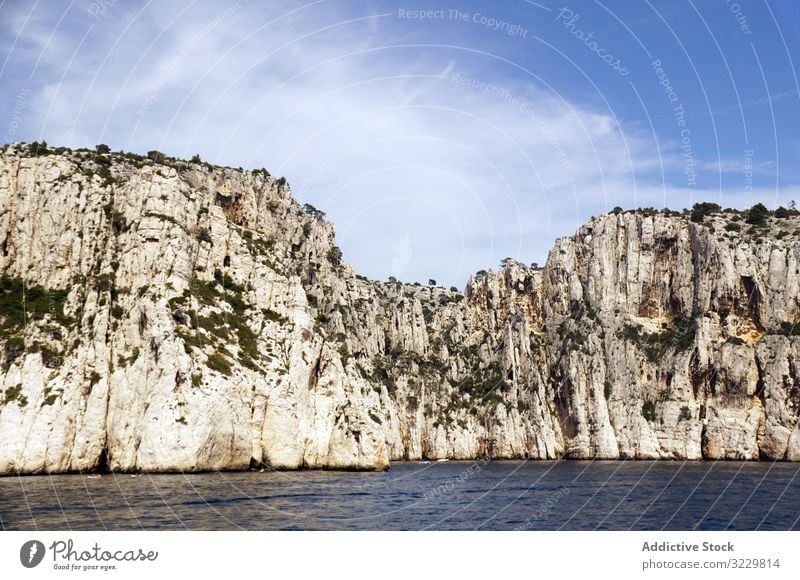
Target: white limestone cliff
(173,316)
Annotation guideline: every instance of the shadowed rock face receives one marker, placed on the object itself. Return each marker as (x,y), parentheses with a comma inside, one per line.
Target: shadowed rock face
(179,316)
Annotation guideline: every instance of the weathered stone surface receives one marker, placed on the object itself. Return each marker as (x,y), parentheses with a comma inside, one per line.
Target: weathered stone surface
(189,317)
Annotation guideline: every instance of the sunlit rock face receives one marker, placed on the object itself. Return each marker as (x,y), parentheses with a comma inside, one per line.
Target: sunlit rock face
(162,315)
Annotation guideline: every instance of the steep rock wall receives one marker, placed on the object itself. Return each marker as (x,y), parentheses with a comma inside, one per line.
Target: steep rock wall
(177,316)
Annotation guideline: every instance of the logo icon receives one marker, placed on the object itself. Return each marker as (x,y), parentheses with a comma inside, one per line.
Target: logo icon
(31,553)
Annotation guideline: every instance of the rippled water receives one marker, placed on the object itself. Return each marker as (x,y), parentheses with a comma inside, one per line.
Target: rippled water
(537,495)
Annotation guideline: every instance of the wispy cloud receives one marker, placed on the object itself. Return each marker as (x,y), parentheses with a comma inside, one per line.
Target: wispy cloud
(773,98)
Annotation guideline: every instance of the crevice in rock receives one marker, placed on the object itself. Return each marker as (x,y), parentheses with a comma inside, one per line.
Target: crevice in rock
(760,387)
(753,300)
(696,376)
(791,386)
(712,382)
(255,464)
(103,462)
(313,376)
(142,322)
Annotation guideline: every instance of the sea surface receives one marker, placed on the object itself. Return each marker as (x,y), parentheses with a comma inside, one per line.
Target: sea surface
(454,495)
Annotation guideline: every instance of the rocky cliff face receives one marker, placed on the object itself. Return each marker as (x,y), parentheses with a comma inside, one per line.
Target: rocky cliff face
(160,315)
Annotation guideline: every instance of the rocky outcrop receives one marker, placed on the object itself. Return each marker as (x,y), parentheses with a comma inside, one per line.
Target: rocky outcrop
(162,315)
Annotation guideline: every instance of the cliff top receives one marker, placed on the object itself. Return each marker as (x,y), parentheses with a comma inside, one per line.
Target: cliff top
(756,224)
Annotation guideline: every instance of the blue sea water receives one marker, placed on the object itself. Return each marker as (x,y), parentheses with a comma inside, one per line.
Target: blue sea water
(455,495)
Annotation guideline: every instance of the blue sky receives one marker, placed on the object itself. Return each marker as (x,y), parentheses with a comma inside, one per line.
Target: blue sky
(439,137)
